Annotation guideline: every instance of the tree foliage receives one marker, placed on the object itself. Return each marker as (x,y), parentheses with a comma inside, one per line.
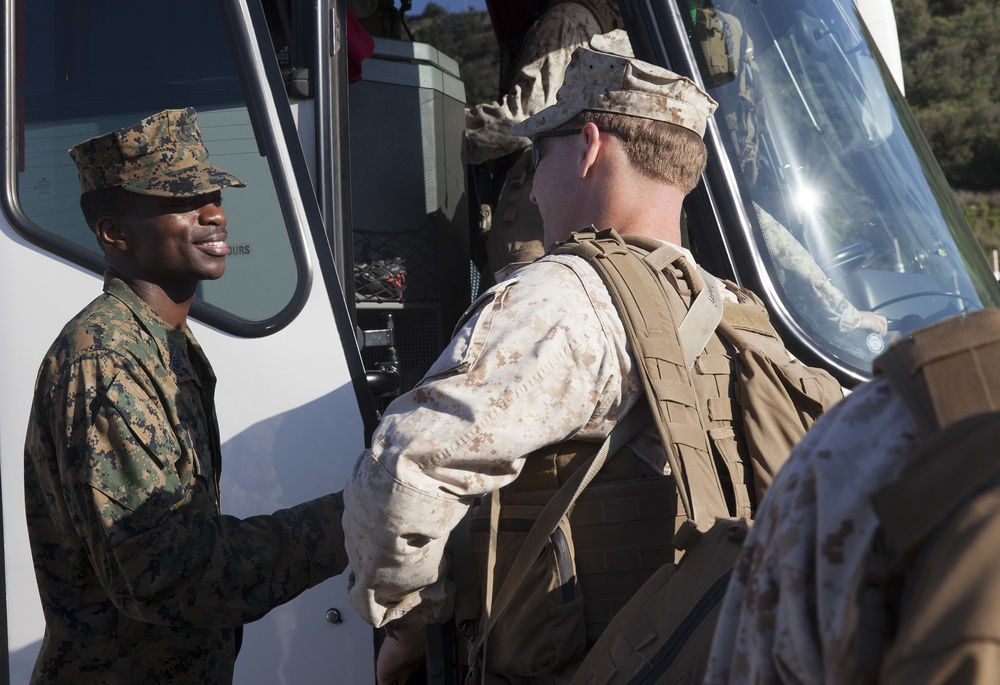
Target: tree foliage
(951,67)
(466,37)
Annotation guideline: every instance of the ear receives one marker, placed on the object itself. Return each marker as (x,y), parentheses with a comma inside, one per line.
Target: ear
(110,234)
(592,138)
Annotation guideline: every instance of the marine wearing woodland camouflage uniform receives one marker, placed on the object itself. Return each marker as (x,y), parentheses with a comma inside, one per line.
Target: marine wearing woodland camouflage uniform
(142,578)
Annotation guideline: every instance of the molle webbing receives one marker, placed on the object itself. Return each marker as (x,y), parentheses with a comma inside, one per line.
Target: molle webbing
(622,524)
(948,374)
(948,371)
(662,361)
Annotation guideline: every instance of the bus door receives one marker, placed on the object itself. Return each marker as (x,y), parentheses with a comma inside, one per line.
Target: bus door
(293,402)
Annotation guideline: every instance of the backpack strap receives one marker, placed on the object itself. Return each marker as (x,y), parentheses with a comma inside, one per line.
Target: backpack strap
(948,371)
(950,467)
(640,297)
(705,311)
(948,374)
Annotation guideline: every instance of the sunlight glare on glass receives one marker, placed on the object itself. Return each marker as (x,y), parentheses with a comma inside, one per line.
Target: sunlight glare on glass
(808,200)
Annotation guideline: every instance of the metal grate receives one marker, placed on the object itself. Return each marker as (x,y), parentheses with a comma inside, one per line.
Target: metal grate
(396,266)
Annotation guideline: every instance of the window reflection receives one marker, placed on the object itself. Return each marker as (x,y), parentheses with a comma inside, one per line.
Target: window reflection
(854,222)
(76,82)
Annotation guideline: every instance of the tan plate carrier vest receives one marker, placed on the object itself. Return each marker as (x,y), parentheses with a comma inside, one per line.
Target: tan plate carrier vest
(728,403)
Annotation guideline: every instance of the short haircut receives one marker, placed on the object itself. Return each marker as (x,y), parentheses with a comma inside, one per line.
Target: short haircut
(96,203)
(661,151)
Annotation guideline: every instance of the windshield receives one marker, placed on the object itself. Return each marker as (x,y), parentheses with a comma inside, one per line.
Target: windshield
(854,224)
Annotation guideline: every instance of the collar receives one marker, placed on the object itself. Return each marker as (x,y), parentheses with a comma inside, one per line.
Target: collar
(172,344)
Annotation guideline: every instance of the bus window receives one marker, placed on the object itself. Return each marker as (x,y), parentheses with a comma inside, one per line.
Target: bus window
(79,75)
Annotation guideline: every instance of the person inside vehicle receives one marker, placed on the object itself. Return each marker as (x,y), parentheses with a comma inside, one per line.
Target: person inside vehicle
(529,86)
(515,231)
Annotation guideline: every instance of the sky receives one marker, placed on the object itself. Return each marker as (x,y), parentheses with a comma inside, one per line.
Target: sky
(450,5)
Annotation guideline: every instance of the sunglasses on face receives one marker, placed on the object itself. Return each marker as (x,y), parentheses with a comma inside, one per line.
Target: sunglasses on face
(537,149)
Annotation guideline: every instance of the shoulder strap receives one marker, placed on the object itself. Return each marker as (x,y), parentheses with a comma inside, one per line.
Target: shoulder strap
(706,309)
(637,289)
(951,466)
(948,374)
(948,371)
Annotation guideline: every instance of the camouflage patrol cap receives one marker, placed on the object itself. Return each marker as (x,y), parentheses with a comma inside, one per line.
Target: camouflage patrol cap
(161,155)
(601,81)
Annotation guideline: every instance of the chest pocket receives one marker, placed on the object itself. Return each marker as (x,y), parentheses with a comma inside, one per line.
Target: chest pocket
(141,458)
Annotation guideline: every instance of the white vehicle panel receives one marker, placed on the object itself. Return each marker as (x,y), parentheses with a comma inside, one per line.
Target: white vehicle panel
(291,430)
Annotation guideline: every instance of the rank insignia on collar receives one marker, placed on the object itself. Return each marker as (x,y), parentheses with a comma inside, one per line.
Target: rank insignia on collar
(177,363)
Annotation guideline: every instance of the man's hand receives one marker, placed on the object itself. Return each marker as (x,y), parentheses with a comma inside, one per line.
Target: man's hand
(400,657)
(873,322)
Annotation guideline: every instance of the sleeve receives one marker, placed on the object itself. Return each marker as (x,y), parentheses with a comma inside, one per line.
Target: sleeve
(157,541)
(533,366)
(547,50)
(792,256)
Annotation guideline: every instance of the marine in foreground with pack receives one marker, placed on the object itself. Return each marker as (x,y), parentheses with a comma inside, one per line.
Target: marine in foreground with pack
(873,558)
(541,372)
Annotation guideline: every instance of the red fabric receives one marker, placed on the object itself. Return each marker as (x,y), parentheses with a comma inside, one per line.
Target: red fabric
(360,46)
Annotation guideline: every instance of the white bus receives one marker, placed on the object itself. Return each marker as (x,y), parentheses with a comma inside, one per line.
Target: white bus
(350,251)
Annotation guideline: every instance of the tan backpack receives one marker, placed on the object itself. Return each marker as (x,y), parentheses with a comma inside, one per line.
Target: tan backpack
(550,588)
(949,376)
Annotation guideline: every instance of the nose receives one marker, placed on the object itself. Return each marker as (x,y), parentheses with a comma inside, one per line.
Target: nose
(212,213)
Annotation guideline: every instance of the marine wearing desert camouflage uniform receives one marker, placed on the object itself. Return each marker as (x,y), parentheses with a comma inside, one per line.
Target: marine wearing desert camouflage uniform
(142,578)
(785,615)
(873,556)
(548,46)
(540,359)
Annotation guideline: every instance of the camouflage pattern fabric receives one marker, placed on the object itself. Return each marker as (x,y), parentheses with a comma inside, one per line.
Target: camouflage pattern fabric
(162,155)
(142,579)
(602,81)
(787,614)
(516,234)
(546,53)
(539,359)
(795,261)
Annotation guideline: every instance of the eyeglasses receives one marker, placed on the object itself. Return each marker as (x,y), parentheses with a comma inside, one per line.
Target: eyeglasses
(537,149)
